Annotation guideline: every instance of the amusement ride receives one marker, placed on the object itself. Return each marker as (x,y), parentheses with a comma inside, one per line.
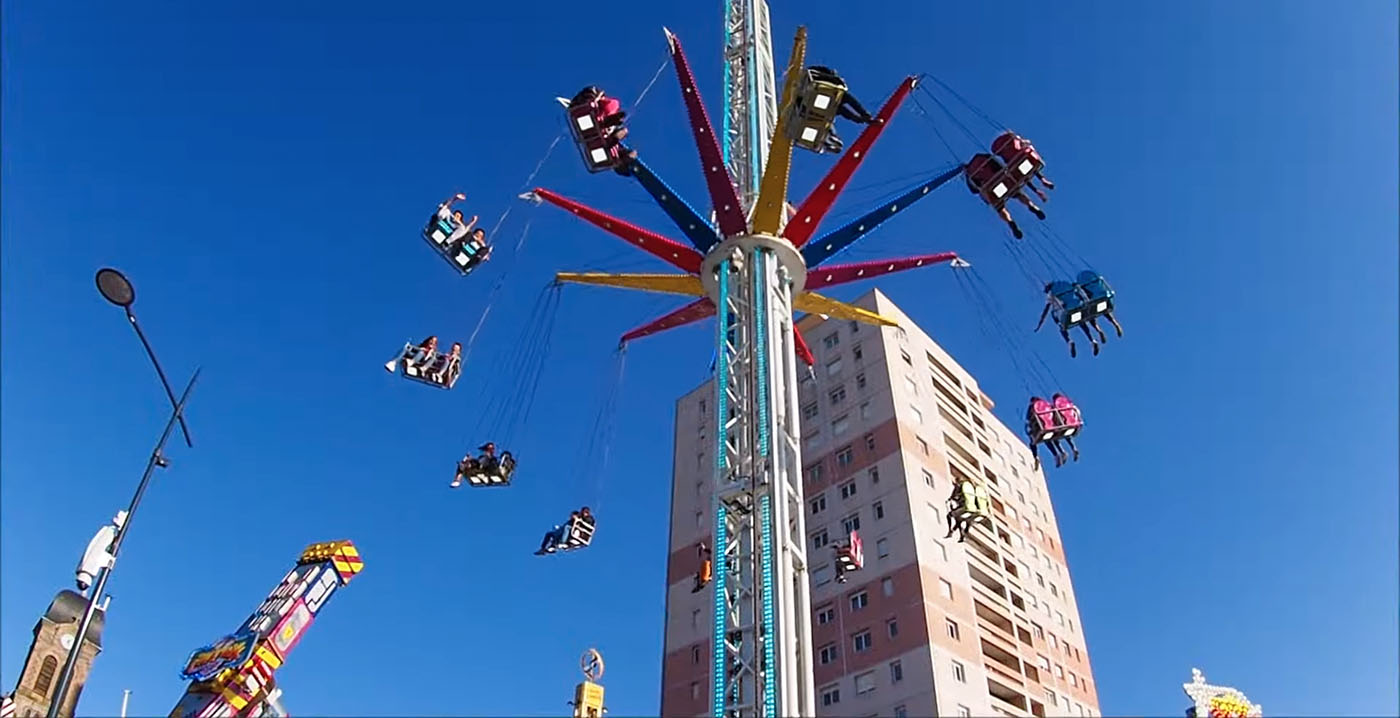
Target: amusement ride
(752,261)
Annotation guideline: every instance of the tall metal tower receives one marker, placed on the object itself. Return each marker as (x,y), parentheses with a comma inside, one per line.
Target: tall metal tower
(750,100)
(750,269)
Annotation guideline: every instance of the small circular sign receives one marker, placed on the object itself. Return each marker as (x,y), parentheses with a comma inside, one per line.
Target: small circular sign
(592,664)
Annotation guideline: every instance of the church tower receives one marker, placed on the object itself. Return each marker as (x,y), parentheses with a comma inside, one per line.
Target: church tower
(53,637)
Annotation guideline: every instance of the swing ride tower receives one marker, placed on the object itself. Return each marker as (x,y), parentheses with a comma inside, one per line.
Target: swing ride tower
(752,267)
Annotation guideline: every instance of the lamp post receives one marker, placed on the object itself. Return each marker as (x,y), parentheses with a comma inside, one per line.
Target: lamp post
(116,289)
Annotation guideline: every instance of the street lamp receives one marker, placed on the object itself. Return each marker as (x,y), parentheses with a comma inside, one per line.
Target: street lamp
(116,289)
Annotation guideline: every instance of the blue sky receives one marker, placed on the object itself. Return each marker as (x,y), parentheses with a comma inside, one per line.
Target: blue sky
(261,172)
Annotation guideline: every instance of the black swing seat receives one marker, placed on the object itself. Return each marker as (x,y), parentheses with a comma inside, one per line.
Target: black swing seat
(813,114)
(480,474)
(440,370)
(593,139)
(462,257)
(578,534)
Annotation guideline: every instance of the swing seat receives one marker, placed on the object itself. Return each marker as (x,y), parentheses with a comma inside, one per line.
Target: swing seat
(1071,308)
(594,141)
(479,476)
(1099,295)
(464,258)
(578,534)
(851,555)
(813,113)
(440,370)
(1049,428)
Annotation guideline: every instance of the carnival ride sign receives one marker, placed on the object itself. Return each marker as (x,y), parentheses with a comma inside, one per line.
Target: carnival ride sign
(228,652)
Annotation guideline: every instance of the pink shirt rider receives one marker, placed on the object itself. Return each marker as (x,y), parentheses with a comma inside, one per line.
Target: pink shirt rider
(1010,146)
(1067,412)
(1044,414)
(609,106)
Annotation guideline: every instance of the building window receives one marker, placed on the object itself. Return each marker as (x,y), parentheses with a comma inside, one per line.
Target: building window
(826,614)
(928,478)
(828,654)
(694,690)
(865,410)
(840,426)
(1059,618)
(918,415)
(837,395)
(848,489)
(910,386)
(923,445)
(818,504)
(855,327)
(964,712)
(831,340)
(879,509)
(851,523)
(820,539)
(695,618)
(887,586)
(1054,591)
(44,681)
(882,548)
(810,411)
(845,457)
(855,350)
(1039,579)
(874,474)
(905,356)
(814,472)
(942,550)
(869,442)
(812,440)
(892,627)
(861,641)
(1073,680)
(959,673)
(860,380)
(699,519)
(694,654)
(896,671)
(1044,663)
(833,367)
(945,588)
(821,575)
(831,695)
(901,712)
(1059,671)
(859,601)
(952,628)
(865,682)
(1050,697)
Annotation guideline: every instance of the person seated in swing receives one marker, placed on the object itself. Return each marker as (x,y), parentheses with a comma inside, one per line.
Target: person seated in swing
(1068,418)
(848,556)
(424,351)
(981,172)
(1065,303)
(1011,147)
(444,210)
(706,572)
(1040,421)
(472,243)
(446,366)
(1096,291)
(959,515)
(554,537)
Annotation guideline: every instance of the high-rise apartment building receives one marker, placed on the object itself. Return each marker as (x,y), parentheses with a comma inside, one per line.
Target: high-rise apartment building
(929,626)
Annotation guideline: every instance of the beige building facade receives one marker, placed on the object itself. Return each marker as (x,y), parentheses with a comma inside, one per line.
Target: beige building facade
(929,626)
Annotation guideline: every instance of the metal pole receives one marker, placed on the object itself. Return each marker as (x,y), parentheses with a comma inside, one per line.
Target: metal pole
(126,696)
(159,372)
(157,459)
